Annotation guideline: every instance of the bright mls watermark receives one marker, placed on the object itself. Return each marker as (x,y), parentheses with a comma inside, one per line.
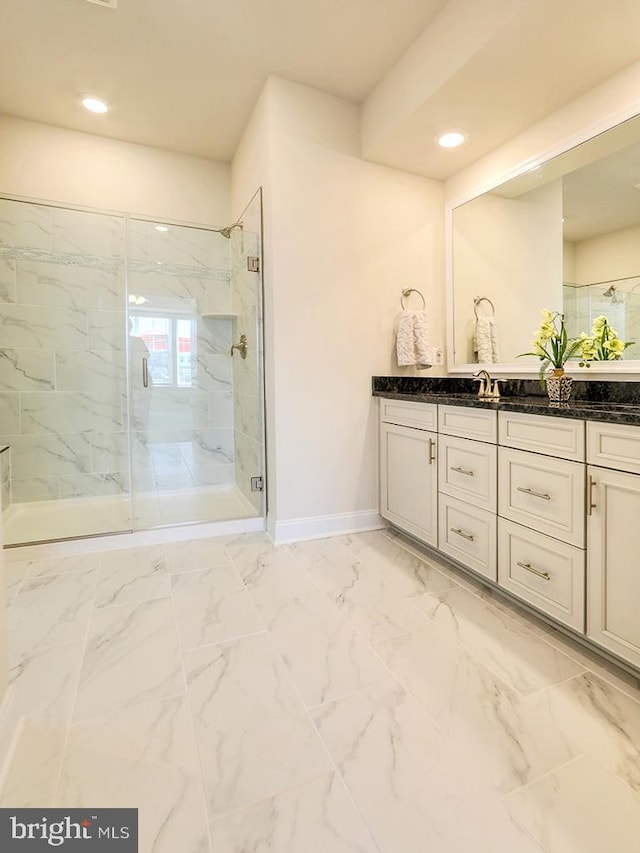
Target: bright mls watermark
(36,830)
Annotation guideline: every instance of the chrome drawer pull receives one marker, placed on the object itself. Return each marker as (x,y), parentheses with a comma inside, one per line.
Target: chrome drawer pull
(533,571)
(462,470)
(534,493)
(462,533)
(432,449)
(590,504)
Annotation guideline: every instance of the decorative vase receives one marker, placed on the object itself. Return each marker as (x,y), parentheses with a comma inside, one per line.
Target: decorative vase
(559,386)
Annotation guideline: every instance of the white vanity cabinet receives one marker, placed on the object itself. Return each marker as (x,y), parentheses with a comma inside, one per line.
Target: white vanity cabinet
(409,468)
(541,525)
(467,486)
(613,568)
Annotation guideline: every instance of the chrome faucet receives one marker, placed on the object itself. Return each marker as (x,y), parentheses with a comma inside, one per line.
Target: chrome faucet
(487,389)
(484,378)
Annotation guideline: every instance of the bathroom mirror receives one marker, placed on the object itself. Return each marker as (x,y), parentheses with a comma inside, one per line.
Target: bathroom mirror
(563,235)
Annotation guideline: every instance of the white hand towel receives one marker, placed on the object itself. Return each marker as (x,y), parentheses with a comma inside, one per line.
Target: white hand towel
(412,340)
(485,340)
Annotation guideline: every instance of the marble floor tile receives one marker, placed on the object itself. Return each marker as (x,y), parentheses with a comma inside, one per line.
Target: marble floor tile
(465,727)
(504,741)
(14,576)
(406,572)
(48,611)
(315,817)
(32,774)
(271,573)
(374,600)
(411,789)
(255,738)
(601,720)
(144,758)
(590,660)
(326,657)
(132,575)
(513,653)
(45,682)
(196,554)
(212,606)
(373,608)
(239,540)
(132,657)
(61,565)
(581,808)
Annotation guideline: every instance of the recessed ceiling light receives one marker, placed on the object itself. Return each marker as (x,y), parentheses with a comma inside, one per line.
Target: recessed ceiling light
(161,228)
(452,138)
(94,105)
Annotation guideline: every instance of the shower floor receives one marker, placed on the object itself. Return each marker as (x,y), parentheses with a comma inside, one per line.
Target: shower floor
(65,519)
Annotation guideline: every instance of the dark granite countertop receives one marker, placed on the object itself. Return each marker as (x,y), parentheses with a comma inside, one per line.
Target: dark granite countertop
(616,402)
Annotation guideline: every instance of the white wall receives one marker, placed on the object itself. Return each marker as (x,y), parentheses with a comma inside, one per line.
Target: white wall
(608,256)
(52,164)
(345,237)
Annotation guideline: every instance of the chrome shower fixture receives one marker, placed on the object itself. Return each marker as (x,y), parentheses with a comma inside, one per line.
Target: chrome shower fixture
(226,232)
(610,291)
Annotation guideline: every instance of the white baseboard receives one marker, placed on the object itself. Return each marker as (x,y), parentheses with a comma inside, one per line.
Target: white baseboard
(321,526)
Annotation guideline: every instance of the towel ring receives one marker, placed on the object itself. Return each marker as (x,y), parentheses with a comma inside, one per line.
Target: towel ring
(477,300)
(406,293)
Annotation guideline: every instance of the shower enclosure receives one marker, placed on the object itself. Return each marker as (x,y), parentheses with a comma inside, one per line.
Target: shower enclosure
(618,300)
(122,403)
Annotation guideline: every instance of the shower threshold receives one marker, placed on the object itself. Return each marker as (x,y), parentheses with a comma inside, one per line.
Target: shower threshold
(72,518)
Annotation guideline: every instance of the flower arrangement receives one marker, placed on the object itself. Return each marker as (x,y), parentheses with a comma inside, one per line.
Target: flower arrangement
(552,345)
(603,344)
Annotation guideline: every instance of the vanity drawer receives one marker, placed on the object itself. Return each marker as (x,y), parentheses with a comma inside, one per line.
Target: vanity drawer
(406,413)
(468,422)
(467,470)
(543,493)
(614,446)
(467,534)
(545,573)
(563,437)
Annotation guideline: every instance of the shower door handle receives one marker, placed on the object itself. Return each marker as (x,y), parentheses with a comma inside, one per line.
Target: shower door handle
(145,371)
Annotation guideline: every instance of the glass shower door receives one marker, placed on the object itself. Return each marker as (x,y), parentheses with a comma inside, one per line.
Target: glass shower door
(183,406)
(63,403)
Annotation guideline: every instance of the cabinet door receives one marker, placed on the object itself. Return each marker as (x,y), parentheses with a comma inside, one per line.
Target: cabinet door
(613,501)
(409,480)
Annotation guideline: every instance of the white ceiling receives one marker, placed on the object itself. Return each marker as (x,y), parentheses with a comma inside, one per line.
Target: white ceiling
(185,74)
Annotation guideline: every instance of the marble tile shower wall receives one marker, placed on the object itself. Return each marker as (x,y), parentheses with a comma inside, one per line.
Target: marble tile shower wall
(183,436)
(62,360)
(247,409)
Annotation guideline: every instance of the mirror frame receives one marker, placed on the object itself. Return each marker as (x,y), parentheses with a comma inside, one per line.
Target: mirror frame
(615,370)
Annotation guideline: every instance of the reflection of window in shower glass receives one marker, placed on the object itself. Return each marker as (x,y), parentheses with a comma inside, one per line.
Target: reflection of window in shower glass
(171,345)
(185,351)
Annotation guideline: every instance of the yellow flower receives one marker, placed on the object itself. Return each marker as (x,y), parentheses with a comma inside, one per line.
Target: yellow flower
(615,347)
(598,324)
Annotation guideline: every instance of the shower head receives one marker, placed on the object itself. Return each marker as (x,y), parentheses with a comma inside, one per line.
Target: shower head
(610,291)
(226,232)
